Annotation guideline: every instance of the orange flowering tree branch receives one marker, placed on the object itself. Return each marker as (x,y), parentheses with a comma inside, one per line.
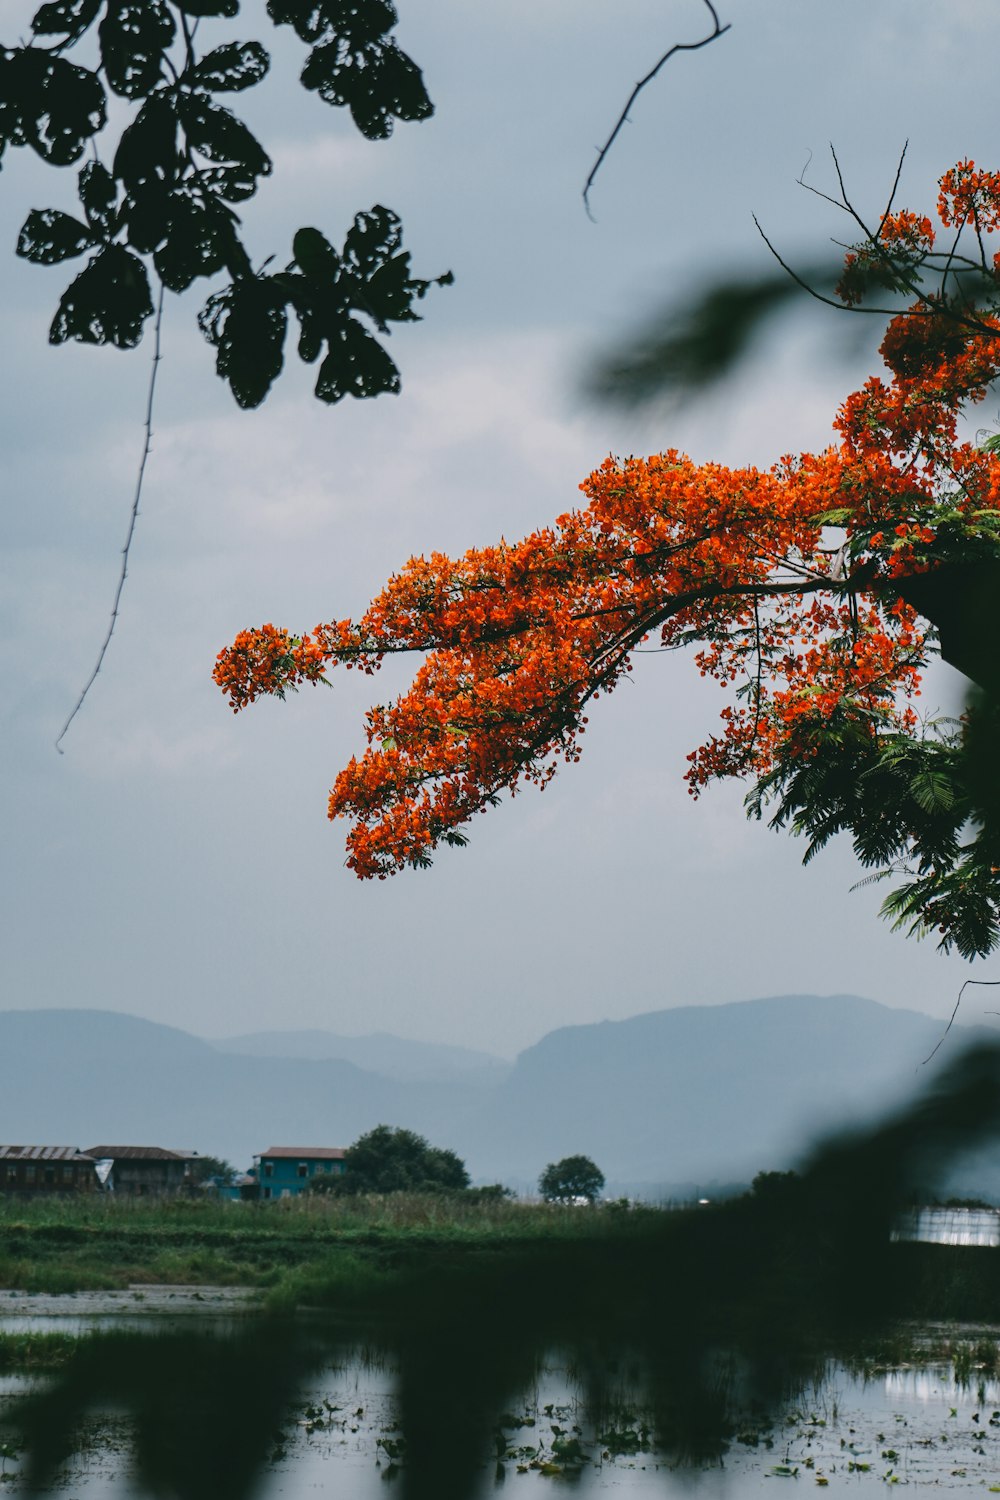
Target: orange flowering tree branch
(798,588)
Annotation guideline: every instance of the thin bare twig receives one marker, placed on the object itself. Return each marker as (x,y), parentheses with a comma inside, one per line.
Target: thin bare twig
(801,180)
(716,31)
(873,239)
(133,517)
(895,188)
(991,982)
(830,301)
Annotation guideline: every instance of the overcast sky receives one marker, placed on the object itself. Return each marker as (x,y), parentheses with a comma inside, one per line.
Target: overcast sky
(176,862)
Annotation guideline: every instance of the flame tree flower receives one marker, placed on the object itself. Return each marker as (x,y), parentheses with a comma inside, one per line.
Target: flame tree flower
(814,592)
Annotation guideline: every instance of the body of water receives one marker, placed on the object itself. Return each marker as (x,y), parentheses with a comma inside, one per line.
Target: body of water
(339,1426)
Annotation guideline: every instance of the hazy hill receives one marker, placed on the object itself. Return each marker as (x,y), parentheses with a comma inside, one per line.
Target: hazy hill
(72,1076)
(682,1096)
(378,1052)
(703,1092)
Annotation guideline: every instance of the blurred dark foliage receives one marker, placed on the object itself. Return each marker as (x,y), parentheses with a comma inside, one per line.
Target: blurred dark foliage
(702,1313)
(689,346)
(162,205)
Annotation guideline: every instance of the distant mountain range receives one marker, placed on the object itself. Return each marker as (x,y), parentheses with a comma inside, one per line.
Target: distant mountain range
(671,1100)
(392,1056)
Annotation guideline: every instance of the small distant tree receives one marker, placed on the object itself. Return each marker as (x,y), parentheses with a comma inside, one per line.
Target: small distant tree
(389,1159)
(209,1168)
(573,1177)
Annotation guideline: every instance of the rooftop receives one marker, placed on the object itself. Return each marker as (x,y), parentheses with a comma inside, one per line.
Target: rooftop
(43,1153)
(139,1153)
(304,1153)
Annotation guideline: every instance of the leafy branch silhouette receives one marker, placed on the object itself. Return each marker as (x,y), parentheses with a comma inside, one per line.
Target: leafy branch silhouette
(159,206)
(164,205)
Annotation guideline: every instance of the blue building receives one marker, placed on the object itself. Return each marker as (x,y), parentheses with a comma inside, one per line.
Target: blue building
(285,1171)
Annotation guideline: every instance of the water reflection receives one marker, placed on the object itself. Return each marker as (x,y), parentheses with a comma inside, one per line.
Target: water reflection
(941,1385)
(342,1433)
(442,1404)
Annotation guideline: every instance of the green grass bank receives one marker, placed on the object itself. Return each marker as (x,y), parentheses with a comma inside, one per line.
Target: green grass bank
(391,1253)
(293,1246)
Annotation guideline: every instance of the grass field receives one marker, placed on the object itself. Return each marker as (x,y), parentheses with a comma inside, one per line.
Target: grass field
(393,1253)
(80,1244)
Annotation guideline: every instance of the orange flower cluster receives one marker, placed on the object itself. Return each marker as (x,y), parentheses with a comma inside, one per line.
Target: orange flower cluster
(969,197)
(914,231)
(786,578)
(267,660)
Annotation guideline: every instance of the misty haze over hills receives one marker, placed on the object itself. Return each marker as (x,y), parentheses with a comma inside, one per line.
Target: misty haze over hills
(670,1099)
(392,1056)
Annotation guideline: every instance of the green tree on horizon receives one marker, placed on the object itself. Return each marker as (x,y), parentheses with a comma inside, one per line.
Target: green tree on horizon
(571,1178)
(391,1159)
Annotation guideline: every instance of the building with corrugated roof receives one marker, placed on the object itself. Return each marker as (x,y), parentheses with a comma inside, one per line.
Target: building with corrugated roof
(143,1170)
(46,1169)
(286,1171)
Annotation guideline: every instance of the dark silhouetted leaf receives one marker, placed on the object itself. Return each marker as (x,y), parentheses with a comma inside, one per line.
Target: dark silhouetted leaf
(315,254)
(11,123)
(234,183)
(238,65)
(399,88)
(372,277)
(322,308)
(68,18)
(134,36)
(198,242)
(356,365)
(146,162)
(219,135)
(74,110)
(359,20)
(148,214)
(372,238)
(48,104)
(312,333)
(380,271)
(99,196)
(321,302)
(209,7)
(305,18)
(376,81)
(148,147)
(246,323)
(49,236)
(107,303)
(184,158)
(390,292)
